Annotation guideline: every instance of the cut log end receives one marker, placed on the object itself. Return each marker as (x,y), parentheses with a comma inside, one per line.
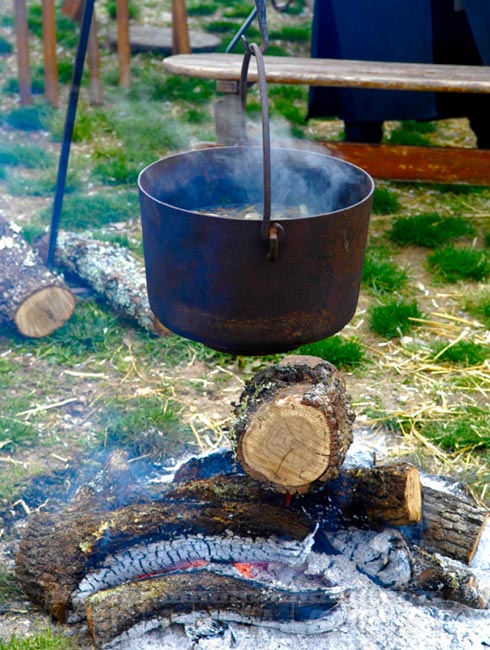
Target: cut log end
(294,424)
(44,311)
(413,495)
(288,443)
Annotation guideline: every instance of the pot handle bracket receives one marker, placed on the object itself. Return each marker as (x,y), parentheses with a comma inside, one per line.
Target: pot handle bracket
(271,234)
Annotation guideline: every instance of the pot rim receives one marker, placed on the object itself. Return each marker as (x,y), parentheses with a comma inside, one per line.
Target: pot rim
(292,150)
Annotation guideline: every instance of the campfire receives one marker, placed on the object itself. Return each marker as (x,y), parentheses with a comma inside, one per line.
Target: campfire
(271,545)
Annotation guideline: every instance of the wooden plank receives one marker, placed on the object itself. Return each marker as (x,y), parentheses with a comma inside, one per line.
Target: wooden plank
(23,65)
(407,163)
(336,72)
(49,43)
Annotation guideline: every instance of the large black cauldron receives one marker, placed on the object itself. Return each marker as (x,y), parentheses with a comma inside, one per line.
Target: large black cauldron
(210,277)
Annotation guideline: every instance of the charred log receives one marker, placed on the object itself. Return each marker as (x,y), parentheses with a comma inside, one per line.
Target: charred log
(112,271)
(452,525)
(111,613)
(76,551)
(32,299)
(390,560)
(294,424)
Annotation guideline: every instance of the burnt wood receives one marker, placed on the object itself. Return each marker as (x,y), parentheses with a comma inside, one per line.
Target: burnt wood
(112,612)
(60,550)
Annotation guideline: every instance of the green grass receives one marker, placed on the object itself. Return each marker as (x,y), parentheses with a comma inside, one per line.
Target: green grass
(430,230)
(202,8)
(82,211)
(29,118)
(385,201)
(465,353)
(292,33)
(467,429)
(43,640)
(341,352)
(451,264)
(411,132)
(90,332)
(133,9)
(478,304)
(43,184)
(26,155)
(393,318)
(382,275)
(144,426)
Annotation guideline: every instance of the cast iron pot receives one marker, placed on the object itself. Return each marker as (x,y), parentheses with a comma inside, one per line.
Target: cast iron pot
(211,279)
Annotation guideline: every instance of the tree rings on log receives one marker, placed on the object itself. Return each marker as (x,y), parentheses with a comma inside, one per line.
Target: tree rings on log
(32,299)
(294,424)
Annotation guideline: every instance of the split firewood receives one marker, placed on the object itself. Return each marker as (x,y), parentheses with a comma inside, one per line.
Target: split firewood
(294,424)
(110,270)
(452,524)
(32,299)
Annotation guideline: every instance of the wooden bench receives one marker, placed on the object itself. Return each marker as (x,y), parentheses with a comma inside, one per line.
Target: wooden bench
(397,162)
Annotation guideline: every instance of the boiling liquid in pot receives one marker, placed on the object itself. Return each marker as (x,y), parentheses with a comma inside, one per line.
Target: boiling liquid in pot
(251,212)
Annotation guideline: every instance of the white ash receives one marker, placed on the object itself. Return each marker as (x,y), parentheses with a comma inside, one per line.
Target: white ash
(154,557)
(372,618)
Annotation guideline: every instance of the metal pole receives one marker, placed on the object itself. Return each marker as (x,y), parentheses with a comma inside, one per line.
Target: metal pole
(242,30)
(71,111)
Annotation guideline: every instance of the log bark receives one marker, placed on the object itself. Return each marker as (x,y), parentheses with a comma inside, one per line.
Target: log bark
(112,271)
(377,496)
(293,424)
(452,524)
(32,299)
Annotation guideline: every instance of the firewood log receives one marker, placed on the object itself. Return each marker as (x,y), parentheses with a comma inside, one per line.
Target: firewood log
(32,299)
(374,496)
(111,613)
(452,524)
(110,270)
(294,424)
(93,550)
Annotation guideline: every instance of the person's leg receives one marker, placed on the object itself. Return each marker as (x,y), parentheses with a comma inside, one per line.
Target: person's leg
(480,125)
(371,132)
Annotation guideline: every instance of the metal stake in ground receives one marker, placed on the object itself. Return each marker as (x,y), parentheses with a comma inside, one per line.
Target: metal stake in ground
(71,111)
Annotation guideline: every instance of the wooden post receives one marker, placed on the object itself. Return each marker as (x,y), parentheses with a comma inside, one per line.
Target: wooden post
(49,42)
(96,95)
(123,43)
(23,66)
(180,33)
